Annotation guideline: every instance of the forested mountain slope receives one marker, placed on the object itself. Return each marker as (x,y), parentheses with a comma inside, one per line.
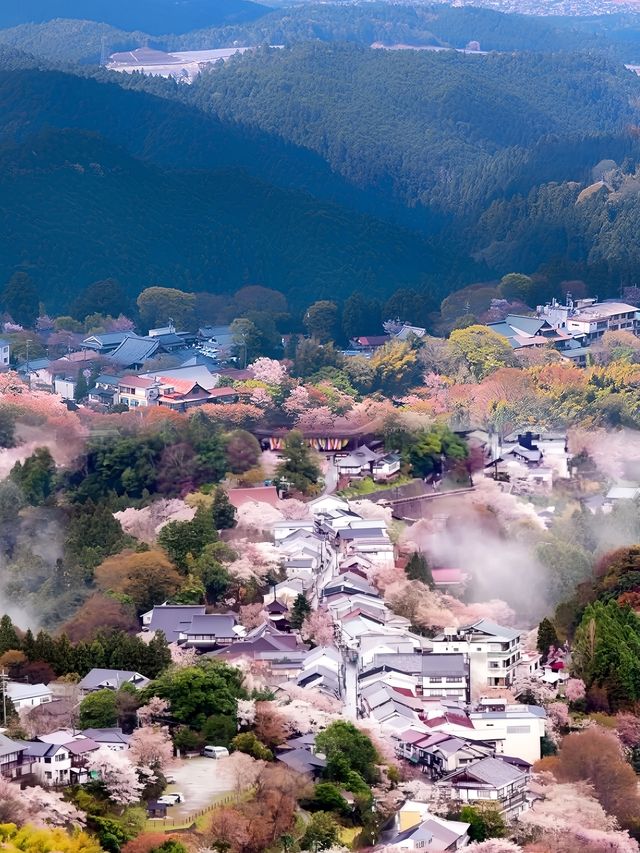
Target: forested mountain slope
(363,24)
(442,129)
(76,209)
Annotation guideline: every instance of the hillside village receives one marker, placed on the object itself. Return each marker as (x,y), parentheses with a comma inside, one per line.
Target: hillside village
(370,585)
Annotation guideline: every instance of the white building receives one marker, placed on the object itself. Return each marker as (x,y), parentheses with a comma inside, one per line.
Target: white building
(26,696)
(493,651)
(518,727)
(51,762)
(591,318)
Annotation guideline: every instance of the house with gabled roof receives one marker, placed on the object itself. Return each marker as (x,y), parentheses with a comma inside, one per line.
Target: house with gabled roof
(111,679)
(15,760)
(435,675)
(489,780)
(416,828)
(209,631)
(182,394)
(171,619)
(134,350)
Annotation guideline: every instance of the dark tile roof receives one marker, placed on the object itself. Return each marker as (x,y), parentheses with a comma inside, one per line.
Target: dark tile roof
(173,619)
(134,350)
(212,624)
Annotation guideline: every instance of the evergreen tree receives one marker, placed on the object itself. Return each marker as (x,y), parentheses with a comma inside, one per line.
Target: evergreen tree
(547,637)
(21,300)
(8,635)
(224,512)
(82,388)
(28,645)
(183,538)
(298,467)
(418,569)
(45,648)
(300,610)
(98,710)
(35,476)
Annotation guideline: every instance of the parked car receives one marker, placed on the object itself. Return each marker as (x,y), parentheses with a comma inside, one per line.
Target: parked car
(215,752)
(171,799)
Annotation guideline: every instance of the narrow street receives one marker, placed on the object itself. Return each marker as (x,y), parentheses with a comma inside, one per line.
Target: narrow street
(351,687)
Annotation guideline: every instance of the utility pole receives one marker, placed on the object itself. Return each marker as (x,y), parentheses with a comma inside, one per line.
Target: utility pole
(28,341)
(4,678)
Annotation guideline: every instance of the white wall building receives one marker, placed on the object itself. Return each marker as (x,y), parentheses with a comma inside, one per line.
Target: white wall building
(494,652)
(26,696)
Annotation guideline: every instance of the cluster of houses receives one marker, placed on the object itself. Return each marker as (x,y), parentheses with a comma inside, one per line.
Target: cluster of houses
(442,702)
(61,756)
(177,370)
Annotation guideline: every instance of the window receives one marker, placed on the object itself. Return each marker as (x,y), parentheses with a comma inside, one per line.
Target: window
(48,774)
(435,680)
(62,756)
(518,730)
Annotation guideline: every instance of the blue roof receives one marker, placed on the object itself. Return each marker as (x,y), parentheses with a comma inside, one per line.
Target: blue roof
(107,339)
(134,350)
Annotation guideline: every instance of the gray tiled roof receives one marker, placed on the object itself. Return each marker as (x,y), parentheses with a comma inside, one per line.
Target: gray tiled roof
(134,350)
(214,624)
(429,664)
(173,619)
(8,746)
(490,771)
(111,678)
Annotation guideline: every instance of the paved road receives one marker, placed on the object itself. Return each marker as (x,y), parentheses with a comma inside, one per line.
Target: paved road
(350,695)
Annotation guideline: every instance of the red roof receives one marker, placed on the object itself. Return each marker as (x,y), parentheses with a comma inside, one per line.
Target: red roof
(372,340)
(404,691)
(261,494)
(136,382)
(223,392)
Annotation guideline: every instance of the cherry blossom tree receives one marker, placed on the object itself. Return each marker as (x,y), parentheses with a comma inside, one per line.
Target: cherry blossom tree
(262,398)
(181,657)
(558,713)
(246,711)
(313,419)
(252,615)
(564,806)
(151,747)
(294,509)
(256,560)
(628,729)
(37,806)
(117,774)
(298,401)
(268,370)
(574,690)
(318,628)
(494,845)
(156,709)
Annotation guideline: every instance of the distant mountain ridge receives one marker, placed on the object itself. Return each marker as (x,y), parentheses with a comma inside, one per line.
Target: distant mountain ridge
(151,16)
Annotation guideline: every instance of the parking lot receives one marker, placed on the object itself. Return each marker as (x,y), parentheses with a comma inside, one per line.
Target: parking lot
(201,780)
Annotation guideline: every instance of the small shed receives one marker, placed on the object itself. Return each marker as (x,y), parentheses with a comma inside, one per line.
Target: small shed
(156,809)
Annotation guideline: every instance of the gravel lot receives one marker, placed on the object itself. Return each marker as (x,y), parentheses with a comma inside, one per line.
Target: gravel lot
(200,780)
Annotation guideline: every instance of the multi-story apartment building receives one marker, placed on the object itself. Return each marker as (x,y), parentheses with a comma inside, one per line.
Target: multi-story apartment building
(493,652)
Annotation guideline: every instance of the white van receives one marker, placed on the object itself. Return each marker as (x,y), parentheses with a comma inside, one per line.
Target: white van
(215,752)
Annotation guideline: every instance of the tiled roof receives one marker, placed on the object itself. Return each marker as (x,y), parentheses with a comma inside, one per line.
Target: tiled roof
(134,350)
(173,619)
